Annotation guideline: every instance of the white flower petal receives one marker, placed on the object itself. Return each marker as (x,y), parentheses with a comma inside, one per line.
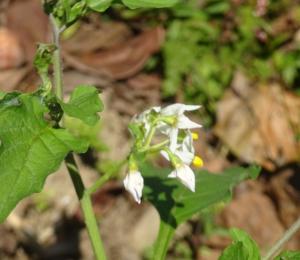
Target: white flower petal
(185,156)
(173,174)
(184,122)
(187,144)
(173,139)
(165,155)
(177,109)
(186,176)
(134,183)
(164,128)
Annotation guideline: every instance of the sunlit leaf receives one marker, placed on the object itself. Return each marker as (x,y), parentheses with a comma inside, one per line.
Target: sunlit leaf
(30,148)
(99,5)
(149,3)
(288,255)
(243,247)
(84,104)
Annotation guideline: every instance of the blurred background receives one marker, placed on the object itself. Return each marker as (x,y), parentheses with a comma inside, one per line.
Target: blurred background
(239,59)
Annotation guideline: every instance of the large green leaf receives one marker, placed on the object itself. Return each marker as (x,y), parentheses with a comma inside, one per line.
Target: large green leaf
(84,104)
(288,255)
(175,203)
(149,3)
(30,148)
(242,248)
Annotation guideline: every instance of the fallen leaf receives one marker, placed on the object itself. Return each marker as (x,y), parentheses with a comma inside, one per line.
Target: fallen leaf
(124,60)
(260,125)
(11,53)
(29,23)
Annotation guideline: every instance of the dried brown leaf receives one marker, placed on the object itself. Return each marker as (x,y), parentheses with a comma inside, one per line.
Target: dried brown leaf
(124,60)
(261,126)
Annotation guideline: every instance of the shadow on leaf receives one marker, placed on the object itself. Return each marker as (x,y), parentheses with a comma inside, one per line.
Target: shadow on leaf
(161,194)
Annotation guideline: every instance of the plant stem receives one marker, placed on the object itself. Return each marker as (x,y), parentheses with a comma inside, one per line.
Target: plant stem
(86,205)
(285,238)
(165,234)
(149,136)
(57,66)
(98,184)
(155,148)
(82,194)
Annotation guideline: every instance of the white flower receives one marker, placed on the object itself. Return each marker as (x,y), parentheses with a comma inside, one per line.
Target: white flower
(134,183)
(185,151)
(185,174)
(181,121)
(143,118)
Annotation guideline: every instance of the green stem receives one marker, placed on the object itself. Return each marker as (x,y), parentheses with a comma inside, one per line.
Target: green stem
(86,205)
(165,234)
(99,183)
(149,137)
(82,194)
(155,148)
(57,66)
(285,238)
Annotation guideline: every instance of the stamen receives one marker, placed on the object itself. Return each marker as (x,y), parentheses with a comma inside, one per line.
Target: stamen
(197,162)
(195,136)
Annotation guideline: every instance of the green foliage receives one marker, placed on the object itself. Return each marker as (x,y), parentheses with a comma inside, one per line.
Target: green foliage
(176,204)
(2,94)
(66,12)
(43,57)
(149,3)
(42,61)
(84,104)
(90,133)
(99,5)
(242,248)
(207,43)
(288,255)
(30,148)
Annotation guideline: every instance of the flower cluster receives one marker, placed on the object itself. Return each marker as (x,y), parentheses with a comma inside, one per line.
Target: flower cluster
(176,146)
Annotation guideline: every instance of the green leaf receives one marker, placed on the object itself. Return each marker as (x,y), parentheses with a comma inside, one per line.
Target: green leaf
(149,3)
(242,248)
(175,203)
(43,57)
(288,255)
(99,5)
(30,148)
(2,94)
(84,104)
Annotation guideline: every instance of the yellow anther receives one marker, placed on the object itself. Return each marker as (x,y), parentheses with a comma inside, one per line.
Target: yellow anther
(195,136)
(197,161)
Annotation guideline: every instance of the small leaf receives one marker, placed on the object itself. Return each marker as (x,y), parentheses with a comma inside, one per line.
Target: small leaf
(84,104)
(288,255)
(149,3)
(76,11)
(242,248)
(30,148)
(43,57)
(99,5)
